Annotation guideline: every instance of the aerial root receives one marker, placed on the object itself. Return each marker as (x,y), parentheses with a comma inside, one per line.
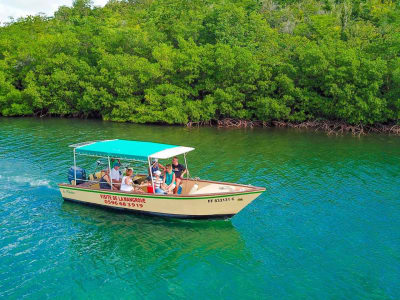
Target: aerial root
(198,124)
(330,127)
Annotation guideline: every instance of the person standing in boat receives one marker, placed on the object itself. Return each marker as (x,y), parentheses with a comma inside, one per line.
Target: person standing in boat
(169,180)
(116,176)
(179,171)
(127,183)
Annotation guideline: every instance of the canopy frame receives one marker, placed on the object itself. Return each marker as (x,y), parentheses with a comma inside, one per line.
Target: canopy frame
(129,150)
(150,157)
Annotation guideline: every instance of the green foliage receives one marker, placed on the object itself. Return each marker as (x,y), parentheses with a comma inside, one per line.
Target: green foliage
(178,61)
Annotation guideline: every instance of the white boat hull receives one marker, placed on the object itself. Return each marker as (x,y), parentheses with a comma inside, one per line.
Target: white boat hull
(223,205)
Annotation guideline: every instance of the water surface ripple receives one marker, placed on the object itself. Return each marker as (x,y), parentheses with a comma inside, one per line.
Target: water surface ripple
(328,226)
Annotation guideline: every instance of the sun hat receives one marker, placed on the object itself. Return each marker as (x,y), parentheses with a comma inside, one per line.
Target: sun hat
(158,172)
(155,160)
(117,164)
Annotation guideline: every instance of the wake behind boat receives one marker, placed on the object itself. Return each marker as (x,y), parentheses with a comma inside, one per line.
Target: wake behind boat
(195,198)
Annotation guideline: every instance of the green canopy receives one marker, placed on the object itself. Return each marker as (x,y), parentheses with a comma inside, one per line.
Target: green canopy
(136,150)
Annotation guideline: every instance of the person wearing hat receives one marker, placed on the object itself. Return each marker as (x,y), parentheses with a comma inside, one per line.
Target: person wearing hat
(156,166)
(115,175)
(158,182)
(113,160)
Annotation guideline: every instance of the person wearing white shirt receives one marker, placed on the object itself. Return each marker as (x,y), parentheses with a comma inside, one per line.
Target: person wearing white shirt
(127,184)
(116,176)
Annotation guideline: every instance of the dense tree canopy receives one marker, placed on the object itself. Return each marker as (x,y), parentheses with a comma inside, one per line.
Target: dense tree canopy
(179,61)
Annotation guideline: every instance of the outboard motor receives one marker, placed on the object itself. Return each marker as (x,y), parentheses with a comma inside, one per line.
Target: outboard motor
(80,175)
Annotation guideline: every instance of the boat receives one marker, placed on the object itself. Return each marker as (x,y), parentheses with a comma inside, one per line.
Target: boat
(197,199)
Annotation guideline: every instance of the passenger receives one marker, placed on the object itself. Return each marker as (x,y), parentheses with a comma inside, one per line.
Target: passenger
(156,166)
(105,181)
(169,180)
(127,183)
(179,171)
(113,160)
(116,176)
(158,182)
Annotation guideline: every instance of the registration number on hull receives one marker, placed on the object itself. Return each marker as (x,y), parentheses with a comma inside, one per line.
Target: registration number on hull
(221,199)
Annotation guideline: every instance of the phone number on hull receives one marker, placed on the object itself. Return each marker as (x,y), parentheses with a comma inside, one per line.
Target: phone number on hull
(123,201)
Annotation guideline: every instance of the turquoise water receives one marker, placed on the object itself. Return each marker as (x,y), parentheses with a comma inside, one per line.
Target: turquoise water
(328,226)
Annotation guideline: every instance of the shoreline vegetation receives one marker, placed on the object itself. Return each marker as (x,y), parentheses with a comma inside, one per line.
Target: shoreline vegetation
(329,65)
(330,127)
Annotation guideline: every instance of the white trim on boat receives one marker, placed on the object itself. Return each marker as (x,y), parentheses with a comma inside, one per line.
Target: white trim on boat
(168,153)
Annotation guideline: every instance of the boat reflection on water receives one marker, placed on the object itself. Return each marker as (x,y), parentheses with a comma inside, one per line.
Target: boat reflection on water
(149,247)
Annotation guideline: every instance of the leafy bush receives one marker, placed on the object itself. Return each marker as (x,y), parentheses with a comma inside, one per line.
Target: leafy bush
(178,61)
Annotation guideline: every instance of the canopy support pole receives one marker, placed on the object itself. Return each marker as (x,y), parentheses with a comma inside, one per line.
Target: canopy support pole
(109,172)
(151,176)
(74,166)
(187,170)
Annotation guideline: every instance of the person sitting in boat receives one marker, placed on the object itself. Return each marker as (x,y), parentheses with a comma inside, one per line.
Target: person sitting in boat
(155,166)
(105,182)
(116,176)
(179,171)
(114,160)
(158,182)
(169,180)
(127,183)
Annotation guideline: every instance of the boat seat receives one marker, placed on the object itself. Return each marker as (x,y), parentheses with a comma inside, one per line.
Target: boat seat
(214,188)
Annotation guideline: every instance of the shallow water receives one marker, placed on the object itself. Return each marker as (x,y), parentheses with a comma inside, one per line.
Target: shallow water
(328,226)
